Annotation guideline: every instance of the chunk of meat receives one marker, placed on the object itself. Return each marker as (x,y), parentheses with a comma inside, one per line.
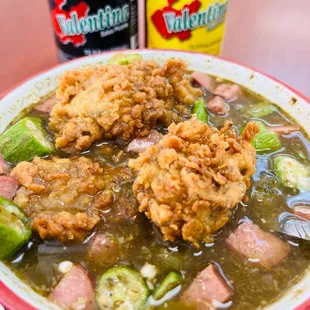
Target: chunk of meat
(74,291)
(119,101)
(139,145)
(204,80)
(228,91)
(74,185)
(258,246)
(47,105)
(208,286)
(303,211)
(188,183)
(103,248)
(3,166)
(175,71)
(283,129)
(8,187)
(125,210)
(217,105)
(63,225)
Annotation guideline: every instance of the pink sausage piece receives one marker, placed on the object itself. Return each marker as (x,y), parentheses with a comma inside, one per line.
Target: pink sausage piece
(3,166)
(302,211)
(103,248)
(228,91)
(208,286)
(47,105)
(217,105)
(258,246)
(74,291)
(8,187)
(139,145)
(283,129)
(204,80)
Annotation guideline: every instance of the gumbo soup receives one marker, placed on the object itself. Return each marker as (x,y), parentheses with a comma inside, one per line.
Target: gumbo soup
(137,185)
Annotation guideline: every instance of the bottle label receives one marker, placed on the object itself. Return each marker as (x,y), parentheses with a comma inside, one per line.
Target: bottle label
(188,25)
(91,27)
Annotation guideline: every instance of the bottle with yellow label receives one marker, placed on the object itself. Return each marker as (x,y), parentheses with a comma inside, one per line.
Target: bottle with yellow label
(195,25)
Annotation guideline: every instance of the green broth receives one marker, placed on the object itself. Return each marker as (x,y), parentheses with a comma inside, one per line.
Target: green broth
(253,286)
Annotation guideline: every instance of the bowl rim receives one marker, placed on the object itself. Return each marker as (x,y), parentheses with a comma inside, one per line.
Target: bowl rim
(7,297)
(124,51)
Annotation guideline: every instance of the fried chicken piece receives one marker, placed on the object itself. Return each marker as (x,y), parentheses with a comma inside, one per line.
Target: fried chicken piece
(188,183)
(64,225)
(62,195)
(119,101)
(184,91)
(250,130)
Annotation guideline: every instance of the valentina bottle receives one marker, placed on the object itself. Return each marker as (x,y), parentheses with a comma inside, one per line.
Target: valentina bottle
(86,27)
(194,25)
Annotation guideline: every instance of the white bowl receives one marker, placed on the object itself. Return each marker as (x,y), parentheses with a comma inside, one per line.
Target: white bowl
(30,91)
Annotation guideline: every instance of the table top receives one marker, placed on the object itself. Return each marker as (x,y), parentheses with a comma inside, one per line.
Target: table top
(27,41)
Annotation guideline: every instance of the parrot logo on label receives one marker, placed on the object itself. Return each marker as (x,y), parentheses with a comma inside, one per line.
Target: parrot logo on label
(80,10)
(170,22)
(73,25)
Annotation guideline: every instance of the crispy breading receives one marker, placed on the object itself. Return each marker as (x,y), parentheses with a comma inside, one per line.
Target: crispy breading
(62,195)
(117,101)
(63,225)
(190,181)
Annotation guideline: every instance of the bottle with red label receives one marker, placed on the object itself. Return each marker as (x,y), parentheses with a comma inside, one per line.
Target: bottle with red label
(86,27)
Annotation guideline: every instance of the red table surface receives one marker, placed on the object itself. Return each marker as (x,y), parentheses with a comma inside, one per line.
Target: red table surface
(27,41)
